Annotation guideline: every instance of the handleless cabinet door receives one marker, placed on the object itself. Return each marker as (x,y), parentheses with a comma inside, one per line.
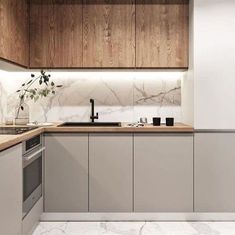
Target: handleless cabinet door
(162,33)
(214,172)
(66,173)
(163,173)
(109,33)
(11,191)
(14,31)
(110,172)
(55,33)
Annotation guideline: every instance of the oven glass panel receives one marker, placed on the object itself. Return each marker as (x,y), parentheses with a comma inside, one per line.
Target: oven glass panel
(32,177)
(33,142)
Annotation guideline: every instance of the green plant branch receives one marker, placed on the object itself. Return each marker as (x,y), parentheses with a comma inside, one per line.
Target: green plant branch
(35,93)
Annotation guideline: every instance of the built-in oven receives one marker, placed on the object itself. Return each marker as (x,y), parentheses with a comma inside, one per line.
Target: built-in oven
(32,172)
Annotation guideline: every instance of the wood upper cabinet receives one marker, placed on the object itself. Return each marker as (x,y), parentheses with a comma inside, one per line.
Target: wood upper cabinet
(14,45)
(56,33)
(109,33)
(162,33)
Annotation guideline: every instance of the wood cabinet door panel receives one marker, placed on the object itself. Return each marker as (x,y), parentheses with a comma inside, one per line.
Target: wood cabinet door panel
(56,33)
(162,33)
(14,31)
(108,33)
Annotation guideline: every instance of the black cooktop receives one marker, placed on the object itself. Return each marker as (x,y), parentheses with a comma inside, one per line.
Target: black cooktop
(15,130)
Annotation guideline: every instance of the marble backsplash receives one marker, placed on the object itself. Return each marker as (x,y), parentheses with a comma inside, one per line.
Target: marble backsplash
(119,96)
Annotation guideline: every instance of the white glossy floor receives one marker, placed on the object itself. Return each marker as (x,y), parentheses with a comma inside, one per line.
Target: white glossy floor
(135,228)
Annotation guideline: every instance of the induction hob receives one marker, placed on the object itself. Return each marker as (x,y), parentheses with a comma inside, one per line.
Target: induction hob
(15,130)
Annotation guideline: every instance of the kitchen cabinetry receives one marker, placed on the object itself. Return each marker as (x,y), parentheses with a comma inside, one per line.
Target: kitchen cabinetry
(32,219)
(163,173)
(56,33)
(162,34)
(214,172)
(95,33)
(66,173)
(14,28)
(109,34)
(110,172)
(11,191)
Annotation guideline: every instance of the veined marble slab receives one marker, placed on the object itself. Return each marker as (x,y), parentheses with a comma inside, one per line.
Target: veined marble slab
(119,96)
(135,228)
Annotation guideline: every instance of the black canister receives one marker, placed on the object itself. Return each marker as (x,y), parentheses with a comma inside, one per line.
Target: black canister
(169,121)
(156,121)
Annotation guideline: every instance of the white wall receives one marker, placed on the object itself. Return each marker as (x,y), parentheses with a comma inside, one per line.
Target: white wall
(187,85)
(214,64)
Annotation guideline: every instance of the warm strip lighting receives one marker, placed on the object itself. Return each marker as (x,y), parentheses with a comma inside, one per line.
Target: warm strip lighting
(109,75)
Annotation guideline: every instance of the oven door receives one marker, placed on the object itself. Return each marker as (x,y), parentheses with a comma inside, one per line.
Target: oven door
(32,179)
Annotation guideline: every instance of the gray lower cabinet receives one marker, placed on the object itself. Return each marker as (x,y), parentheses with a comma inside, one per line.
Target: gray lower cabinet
(66,173)
(163,172)
(214,172)
(110,172)
(11,191)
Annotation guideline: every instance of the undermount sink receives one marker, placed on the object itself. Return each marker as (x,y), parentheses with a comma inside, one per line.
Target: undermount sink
(91,124)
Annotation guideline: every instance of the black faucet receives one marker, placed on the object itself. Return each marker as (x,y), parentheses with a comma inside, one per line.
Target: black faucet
(93,116)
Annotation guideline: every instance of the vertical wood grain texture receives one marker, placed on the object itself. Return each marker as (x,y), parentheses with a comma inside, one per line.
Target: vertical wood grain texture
(14,44)
(162,33)
(108,33)
(56,33)
(104,33)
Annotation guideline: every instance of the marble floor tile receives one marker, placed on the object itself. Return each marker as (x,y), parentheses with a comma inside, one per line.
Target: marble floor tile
(135,228)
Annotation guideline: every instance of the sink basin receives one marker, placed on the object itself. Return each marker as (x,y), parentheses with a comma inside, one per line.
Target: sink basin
(91,124)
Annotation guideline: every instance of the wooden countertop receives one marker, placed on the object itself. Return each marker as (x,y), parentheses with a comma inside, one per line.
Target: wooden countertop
(179,127)
(6,141)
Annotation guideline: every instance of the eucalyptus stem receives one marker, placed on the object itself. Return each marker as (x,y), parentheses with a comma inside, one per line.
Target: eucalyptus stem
(33,93)
(22,96)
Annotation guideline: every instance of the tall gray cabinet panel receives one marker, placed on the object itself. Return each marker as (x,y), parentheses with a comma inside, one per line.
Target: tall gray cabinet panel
(11,191)
(214,172)
(66,173)
(163,173)
(110,172)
